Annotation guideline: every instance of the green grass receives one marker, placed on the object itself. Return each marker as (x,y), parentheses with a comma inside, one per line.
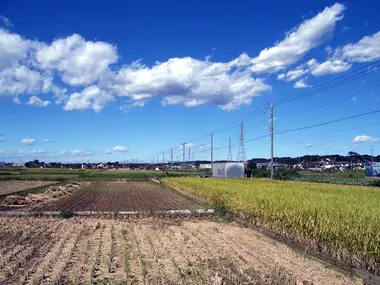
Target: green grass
(343,221)
(69,174)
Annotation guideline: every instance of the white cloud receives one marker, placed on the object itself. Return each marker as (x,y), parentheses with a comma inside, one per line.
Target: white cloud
(308,145)
(20,79)
(35,101)
(292,74)
(47,141)
(367,49)
(186,81)
(310,34)
(330,66)
(120,148)
(301,84)
(364,139)
(79,61)
(74,153)
(13,48)
(27,141)
(1,139)
(107,152)
(90,98)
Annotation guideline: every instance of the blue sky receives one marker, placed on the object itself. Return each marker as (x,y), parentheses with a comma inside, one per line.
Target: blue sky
(123,80)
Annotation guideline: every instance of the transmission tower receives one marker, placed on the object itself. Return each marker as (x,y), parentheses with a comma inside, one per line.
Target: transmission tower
(241,150)
(189,154)
(229,150)
(184,151)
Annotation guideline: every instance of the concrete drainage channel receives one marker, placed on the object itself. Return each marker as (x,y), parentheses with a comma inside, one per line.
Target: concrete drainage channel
(168,213)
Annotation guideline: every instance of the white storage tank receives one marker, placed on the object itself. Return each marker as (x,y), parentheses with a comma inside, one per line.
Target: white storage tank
(228,169)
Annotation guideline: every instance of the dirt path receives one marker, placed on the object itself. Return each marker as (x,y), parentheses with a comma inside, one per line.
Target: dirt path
(151,251)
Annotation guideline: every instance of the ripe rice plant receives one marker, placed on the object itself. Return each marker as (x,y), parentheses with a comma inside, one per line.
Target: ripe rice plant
(343,221)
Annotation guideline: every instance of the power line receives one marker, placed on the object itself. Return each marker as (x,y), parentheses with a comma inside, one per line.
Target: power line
(329,122)
(300,128)
(333,102)
(330,84)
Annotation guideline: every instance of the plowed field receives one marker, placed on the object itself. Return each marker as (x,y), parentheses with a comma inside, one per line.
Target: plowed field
(123,196)
(150,251)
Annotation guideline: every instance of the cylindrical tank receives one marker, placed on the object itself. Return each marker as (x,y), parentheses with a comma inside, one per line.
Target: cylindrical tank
(228,169)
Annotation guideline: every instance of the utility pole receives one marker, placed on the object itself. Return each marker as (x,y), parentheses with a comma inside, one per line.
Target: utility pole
(229,150)
(372,160)
(184,151)
(158,158)
(171,156)
(190,155)
(212,148)
(271,141)
(193,157)
(163,157)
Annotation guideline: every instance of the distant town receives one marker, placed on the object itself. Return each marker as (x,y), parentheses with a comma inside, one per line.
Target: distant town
(308,162)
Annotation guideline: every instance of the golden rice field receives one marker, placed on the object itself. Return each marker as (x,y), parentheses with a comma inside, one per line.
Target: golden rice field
(343,221)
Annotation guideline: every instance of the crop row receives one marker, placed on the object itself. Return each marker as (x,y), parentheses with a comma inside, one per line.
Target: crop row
(122,196)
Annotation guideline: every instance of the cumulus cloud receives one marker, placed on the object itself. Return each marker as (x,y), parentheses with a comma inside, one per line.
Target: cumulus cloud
(79,61)
(35,101)
(28,141)
(186,81)
(21,79)
(292,74)
(47,141)
(310,34)
(120,148)
(308,145)
(107,152)
(90,98)
(364,139)
(301,84)
(330,66)
(365,50)
(13,48)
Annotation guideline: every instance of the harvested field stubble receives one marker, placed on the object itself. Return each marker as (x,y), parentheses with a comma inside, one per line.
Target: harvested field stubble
(342,221)
(150,251)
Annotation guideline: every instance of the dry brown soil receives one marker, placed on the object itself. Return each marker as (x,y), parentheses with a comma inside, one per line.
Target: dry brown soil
(149,251)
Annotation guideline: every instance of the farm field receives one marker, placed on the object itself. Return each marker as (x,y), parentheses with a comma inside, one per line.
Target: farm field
(149,251)
(10,186)
(342,221)
(57,174)
(123,196)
